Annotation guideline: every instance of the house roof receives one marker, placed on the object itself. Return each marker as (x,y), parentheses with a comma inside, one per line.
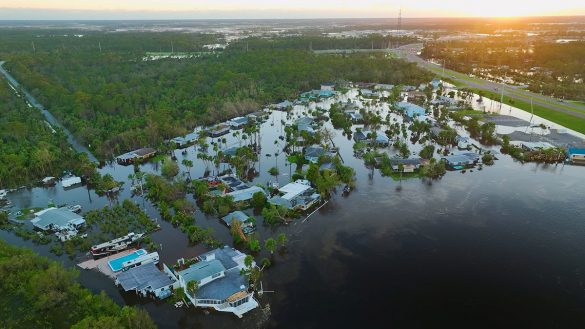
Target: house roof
(304,121)
(221,289)
(314,151)
(239,120)
(245,194)
(236,215)
(284,104)
(202,270)
(292,190)
(415,161)
(411,109)
(225,255)
(57,217)
(140,277)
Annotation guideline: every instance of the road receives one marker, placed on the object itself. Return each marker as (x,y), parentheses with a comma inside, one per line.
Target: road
(409,53)
(50,118)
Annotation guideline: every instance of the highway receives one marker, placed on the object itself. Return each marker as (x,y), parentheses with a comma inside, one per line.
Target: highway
(409,53)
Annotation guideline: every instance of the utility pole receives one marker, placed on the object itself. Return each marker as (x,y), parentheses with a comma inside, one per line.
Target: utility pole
(100,46)
(172,48)
(399,20)
(33,47)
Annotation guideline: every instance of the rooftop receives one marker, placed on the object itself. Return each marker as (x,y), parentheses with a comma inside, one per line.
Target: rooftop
(292,190)
(245,194)
(58,217)
(236,215)
(223,288)
(202,270)
(140,277)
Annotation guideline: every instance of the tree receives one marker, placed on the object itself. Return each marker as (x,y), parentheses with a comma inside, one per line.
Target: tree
(326,182)
(253,244)
(169,168)
(282,240)
(258,200)
(270,245)
(192,287)
(274,214)
(189,165)
(273,171)
(427,152)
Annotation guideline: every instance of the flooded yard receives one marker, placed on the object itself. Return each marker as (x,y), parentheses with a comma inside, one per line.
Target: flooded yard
(409,253)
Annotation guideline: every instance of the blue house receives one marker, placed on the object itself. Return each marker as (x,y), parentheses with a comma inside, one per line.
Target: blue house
(411,110)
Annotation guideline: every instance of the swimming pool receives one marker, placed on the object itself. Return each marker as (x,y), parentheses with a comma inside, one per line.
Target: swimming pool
(116,264)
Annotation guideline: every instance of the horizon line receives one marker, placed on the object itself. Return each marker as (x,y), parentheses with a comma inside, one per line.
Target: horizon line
(291,18)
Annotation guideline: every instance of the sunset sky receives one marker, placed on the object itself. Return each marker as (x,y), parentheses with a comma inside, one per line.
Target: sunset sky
(194,9)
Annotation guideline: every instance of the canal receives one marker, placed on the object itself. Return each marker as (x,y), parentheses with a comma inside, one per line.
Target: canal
(498,247)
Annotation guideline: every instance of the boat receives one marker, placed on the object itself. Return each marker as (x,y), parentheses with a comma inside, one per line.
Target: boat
(75,208)
(346,189)
(116,245)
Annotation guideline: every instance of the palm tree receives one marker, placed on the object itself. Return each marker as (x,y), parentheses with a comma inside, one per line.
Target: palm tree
(192,287)
(270,245)
(282,240)
(189,165)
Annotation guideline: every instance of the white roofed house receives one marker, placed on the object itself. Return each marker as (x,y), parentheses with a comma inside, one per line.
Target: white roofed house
(297,195)
(57,219)
(220,282)
(63,222)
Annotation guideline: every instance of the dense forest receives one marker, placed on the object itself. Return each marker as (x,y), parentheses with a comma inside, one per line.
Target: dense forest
(40,293)
(29,149)
(556,69)
(115,101)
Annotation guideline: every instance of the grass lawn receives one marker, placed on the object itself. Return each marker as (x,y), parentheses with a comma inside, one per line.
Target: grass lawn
(564,119)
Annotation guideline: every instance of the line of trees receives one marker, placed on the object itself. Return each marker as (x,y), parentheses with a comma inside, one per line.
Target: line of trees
(40,293)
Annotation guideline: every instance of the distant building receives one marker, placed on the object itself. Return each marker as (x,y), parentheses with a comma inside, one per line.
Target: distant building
(411,110)
(238,123)
(409,165)
(186,140)
(313,153)
(57,219)
(283,106)
(381,86)
(148,280)
(354,115)
(359,136)
(136,155)
(219,130)
(221,285)
(435,83)
(328,86)
(460,161)
(369,93)
(536,146)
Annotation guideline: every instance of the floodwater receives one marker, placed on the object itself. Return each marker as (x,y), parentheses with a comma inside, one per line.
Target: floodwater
(503,247)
